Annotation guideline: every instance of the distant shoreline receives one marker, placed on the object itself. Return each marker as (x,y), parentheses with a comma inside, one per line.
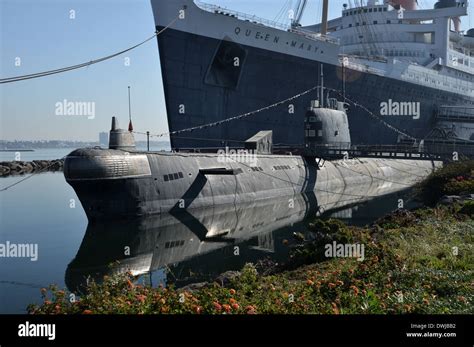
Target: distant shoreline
(29,146)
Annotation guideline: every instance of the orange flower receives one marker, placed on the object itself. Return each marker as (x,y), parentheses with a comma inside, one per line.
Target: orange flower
(339,283)
(198,309)
(226,308)
(232,292)
(309,282)
(217,306)
(331,285)
(129,283)
(235,306)
(141,298)
(47,302)
(87,312)
(250,308)
(355,290)
(232,301)
(335,309)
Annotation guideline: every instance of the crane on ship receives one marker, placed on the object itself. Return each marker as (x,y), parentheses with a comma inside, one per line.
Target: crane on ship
(298,11)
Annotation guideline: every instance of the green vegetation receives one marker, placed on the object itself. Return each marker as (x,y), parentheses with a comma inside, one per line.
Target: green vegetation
(418,261)
(454,179)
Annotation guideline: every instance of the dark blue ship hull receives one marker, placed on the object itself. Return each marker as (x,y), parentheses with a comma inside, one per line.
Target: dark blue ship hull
(202,86)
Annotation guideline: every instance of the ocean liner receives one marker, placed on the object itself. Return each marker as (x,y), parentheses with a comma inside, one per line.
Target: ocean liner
(407,73)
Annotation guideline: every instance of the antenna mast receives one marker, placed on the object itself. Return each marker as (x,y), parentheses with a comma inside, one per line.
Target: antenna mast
(130,125)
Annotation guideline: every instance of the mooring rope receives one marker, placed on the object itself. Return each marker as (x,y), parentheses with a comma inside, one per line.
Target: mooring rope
(86,64)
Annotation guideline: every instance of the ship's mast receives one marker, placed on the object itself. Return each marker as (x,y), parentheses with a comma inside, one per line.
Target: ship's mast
(321,97)
(324,22)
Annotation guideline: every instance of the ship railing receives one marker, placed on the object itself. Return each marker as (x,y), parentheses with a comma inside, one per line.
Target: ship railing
(429,148)
(201,149)
(456,113)
(315,36)
(430,77)
(240,15)
(345,59)
(375,58)
(366,148)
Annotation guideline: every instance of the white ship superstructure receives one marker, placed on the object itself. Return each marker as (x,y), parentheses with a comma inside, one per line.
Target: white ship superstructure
(423,46)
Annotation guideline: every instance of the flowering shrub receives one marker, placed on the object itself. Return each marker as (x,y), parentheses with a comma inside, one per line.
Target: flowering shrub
(453,179)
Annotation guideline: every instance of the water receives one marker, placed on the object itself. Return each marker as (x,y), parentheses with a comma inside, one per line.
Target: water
(184,248)
(37,211)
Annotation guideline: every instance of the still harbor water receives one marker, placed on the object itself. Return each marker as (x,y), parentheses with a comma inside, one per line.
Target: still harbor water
(179,249)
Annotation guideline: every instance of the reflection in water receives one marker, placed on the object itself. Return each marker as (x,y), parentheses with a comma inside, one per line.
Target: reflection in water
(201,244)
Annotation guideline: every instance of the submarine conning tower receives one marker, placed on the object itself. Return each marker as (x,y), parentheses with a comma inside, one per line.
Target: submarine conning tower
(327,127)
(120,138)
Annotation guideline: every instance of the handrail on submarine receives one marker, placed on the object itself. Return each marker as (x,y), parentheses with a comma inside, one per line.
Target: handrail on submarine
(428,150)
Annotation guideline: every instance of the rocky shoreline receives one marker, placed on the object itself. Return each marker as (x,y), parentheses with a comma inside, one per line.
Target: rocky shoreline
(11,168)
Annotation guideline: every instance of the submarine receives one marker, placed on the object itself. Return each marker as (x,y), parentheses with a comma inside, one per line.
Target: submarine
(122,182)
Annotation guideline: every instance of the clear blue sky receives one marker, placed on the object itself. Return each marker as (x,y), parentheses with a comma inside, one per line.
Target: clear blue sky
(41,33)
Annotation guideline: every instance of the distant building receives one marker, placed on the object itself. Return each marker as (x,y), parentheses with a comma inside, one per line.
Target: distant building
(104,139)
